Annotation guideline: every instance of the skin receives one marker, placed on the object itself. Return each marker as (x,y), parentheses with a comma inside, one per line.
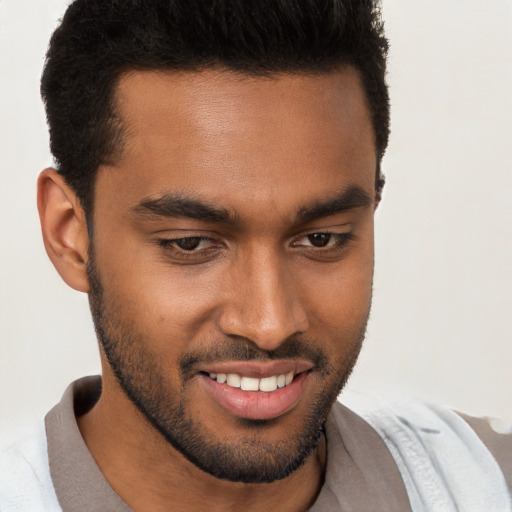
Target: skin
(262,149)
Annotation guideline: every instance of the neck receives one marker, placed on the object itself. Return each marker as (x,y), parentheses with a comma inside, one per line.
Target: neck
(149,474)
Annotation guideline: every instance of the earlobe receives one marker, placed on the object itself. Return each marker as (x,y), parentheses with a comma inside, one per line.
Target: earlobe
(64,228)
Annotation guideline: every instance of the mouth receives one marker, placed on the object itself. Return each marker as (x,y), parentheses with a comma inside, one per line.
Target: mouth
(245,383)
(257,391)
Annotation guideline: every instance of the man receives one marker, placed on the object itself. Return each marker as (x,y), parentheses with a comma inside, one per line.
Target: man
(218,171)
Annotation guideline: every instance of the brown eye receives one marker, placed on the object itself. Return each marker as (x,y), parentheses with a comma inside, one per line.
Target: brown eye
(319,239)
(188,244)
(191,250)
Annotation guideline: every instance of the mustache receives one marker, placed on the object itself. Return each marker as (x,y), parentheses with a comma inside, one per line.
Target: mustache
(242,349)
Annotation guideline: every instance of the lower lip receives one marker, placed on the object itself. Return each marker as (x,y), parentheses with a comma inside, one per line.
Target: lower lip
(256,405)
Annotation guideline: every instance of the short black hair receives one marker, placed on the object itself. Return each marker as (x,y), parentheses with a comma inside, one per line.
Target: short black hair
(98,40)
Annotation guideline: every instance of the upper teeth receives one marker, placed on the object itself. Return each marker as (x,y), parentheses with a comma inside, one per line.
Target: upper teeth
(251,384)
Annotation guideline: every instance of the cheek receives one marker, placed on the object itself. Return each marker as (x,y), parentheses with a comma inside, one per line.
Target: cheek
(346,284)
(183,302)
(165,305)
(339,297)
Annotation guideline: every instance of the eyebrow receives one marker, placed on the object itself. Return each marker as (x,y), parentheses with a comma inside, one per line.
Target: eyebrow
(178,206)
(172,205)
(349,199)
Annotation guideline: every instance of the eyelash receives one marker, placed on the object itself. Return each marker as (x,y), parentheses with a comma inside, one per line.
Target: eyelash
(340,239)
(170,244)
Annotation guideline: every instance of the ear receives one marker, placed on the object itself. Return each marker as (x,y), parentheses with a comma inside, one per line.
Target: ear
(64,228)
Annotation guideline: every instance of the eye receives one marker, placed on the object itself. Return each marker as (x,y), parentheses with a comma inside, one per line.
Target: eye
(188,244)
(324,245)
(194,249)
(319,239)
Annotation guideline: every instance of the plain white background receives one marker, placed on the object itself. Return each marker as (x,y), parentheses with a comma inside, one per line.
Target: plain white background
(441,321)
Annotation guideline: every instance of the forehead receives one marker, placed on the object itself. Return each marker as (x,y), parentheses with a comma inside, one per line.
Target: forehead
(224,135)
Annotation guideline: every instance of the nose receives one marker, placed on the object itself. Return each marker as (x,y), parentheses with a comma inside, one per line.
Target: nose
(263,303)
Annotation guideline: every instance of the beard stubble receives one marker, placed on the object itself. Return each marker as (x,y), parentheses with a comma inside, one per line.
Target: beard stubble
(248,458)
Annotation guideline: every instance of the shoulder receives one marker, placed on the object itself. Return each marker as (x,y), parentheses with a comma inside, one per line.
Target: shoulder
(25,482)
(497,437)
(441,458)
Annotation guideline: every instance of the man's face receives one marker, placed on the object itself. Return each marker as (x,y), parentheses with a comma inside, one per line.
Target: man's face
(233,246)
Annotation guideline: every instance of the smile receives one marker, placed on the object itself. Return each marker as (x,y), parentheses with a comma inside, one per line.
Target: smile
(255,390)
(265,384)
